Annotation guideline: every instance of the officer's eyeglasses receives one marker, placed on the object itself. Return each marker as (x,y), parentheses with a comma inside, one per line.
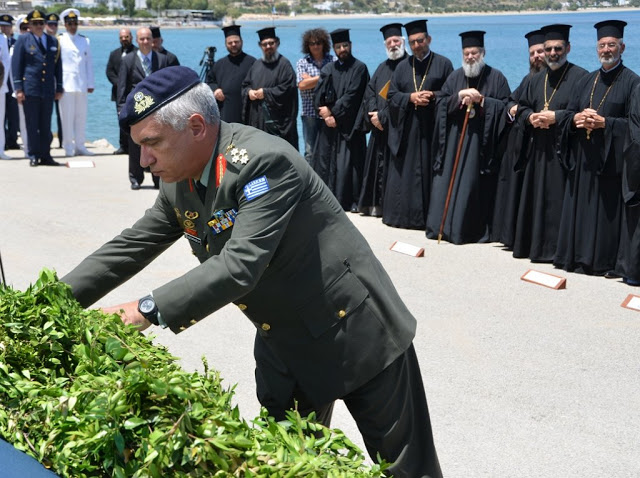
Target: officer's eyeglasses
(549,49)
(37,22)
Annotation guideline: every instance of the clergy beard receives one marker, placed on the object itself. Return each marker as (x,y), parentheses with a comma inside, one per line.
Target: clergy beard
(395,54)
(612,60)
(270,58)
(472,70)
(536,67)
(554,65)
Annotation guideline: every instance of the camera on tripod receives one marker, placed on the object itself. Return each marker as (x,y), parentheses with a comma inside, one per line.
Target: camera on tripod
(207,61)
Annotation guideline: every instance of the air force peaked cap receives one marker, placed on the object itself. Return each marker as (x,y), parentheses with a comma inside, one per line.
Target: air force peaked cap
(35,15)
(610,28)
(6,19)
(156,90)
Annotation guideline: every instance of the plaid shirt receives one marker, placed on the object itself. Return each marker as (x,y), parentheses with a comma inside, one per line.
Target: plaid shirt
(308,66)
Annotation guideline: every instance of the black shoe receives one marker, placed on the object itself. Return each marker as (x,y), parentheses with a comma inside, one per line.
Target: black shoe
(13,146)
(50,162)
(135,185)
(354,208)
(119,151)
(33,162)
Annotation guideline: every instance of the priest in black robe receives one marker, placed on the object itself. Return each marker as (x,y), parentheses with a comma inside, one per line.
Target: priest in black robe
(592,207)
(475,95)
(510,177)
(226,75)
(270,93)
(543,113)
(628,260)
(412,103)
(376,120)
(338,155)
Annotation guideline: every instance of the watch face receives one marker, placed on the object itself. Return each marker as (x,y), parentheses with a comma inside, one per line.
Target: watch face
(146,306)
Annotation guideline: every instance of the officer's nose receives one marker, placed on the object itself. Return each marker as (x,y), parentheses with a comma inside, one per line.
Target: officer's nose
(146,157)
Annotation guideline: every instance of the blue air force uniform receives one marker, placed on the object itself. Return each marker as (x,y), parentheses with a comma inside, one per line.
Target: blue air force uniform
(37,71)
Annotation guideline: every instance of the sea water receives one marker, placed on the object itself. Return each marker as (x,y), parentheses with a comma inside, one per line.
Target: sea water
(506,47)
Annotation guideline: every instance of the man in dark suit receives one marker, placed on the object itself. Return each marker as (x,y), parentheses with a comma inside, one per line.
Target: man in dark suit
(37,79)
(11,119)
(113,68)
(156,45)
(135,67)
(272,239)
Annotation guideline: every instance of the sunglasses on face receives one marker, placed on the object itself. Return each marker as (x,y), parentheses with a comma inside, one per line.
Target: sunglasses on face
(315,43)
(549,49)
(37,22)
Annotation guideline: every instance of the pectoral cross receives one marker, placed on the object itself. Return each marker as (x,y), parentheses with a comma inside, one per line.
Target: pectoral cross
(546,107)
(588,134)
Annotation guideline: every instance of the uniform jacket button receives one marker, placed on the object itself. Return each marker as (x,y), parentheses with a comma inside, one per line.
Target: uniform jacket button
(193,322)
(342,314)
(183,328)
(266,327)
(242,307)
(207,247)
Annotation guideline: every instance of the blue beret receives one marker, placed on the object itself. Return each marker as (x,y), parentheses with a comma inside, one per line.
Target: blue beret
(156,90)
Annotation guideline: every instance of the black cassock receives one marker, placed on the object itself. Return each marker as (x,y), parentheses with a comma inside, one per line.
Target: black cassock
(338,155)
(540,206)
(377,159)
(408,184)
(592,207)
(510,177)
(471,204)
(278,112)
(628,260)
(228,73)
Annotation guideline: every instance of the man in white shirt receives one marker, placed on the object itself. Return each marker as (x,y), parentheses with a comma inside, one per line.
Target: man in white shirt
(78,81)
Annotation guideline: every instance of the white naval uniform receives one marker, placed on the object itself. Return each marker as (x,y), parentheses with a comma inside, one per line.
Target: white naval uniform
(5,57)
(77,79)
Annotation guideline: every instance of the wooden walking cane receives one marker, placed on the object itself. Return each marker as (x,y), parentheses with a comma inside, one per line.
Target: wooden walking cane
(455,168)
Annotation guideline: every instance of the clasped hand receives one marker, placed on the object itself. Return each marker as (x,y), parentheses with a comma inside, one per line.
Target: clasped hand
(588,119)
(470,96)
(543,119)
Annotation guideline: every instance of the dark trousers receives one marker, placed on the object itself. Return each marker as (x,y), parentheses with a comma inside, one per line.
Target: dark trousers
(392,415)
(124,136)
(37,115)
(135,170)
(59,124)
(12,122)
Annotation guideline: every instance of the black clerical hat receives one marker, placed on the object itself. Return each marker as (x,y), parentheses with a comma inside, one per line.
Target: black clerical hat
(340,35)
(269,32)
(610,28)
(231,30)
(556,32)
(391,30)
(155,32)
(52,18)
(472,38)
(6,19)
(416,26)
(156,90)
(536,37)
(35,15)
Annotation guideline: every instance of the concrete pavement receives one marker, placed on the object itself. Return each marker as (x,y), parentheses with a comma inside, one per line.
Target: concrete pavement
(522,381)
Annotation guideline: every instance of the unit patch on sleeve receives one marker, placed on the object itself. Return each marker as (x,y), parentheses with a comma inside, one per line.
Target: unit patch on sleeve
(256,188)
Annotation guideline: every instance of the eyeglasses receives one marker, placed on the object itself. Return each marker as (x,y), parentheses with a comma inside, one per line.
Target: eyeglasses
(315,43)
(549,49)
(610,45)
(37,22)
(267,43)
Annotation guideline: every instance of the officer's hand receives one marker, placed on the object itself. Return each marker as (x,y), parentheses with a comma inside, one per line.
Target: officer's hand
(218,94)
(129,314)
(20,96)
(58,95)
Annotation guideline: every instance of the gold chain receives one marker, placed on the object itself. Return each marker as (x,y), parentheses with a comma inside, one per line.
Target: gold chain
(415,84)
(546,79)
(593,89)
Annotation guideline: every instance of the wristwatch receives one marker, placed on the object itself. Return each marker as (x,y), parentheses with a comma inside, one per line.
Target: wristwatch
(148,308)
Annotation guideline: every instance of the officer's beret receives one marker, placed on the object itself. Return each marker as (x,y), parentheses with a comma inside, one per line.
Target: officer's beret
(70,14)
(6,19)
(155,91)
(35,15)
(52,18)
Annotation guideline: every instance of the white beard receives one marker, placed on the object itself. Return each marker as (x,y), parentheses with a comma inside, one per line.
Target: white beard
(473,70)
(554,65)
(609,61)
(271,58)
(395,54)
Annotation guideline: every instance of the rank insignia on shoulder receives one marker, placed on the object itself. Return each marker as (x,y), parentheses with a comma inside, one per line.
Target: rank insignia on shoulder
(256,188)
(239,156)
(222,220)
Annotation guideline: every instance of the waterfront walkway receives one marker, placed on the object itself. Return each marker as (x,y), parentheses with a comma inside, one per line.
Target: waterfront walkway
(522,381)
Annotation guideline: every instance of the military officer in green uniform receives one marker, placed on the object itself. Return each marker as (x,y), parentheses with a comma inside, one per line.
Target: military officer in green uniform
(272,239)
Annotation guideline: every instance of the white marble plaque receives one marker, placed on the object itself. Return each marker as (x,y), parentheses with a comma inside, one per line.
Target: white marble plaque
(408,249)
(547,280)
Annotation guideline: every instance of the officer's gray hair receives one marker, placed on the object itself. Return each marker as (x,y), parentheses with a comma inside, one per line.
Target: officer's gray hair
(198,99)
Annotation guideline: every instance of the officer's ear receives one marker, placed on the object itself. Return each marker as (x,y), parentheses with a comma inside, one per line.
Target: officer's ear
(197,125)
